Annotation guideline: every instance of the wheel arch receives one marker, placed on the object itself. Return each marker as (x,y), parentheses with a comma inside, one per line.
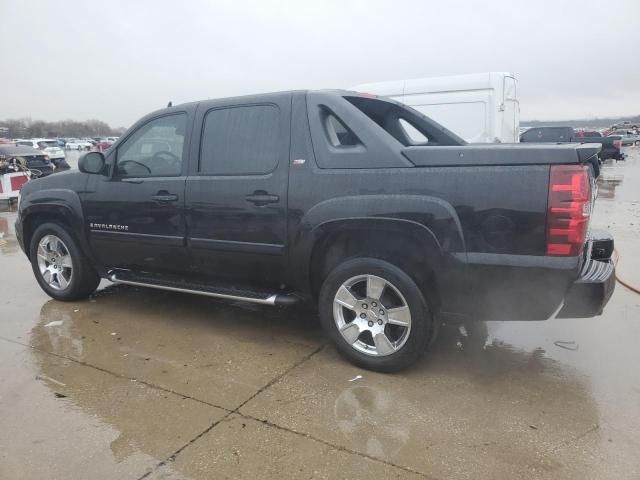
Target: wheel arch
(59,206)
(414,249)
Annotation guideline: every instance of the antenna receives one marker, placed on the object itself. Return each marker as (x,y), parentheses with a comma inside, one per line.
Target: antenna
(170,104)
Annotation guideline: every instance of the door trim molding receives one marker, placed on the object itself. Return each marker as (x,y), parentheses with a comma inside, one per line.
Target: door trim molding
(167,240)
(235,246)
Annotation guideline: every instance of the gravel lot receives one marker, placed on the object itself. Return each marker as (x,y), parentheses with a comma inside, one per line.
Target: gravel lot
(139,383)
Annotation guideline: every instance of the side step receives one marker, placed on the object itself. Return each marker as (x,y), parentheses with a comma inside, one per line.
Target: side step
(209,290)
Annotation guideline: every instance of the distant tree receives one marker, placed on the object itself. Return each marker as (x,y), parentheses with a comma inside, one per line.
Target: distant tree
(27,128)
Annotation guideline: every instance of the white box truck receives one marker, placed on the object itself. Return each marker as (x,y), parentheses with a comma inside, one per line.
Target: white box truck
(479,107)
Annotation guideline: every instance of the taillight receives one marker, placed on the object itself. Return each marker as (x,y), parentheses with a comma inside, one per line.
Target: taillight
(617,144)
(568,209)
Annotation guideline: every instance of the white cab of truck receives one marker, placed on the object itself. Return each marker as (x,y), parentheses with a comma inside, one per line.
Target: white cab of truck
(479,107)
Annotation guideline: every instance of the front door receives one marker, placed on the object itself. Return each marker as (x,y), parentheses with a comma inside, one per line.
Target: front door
(135,215)
(236,198)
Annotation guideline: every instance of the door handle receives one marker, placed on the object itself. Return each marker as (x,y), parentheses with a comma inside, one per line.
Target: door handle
(164,196)
(262,198)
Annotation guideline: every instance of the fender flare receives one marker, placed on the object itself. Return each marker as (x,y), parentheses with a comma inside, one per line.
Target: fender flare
(62,203)
(428,219)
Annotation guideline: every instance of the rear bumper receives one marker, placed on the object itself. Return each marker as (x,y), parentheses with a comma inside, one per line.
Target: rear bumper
(589,294)
(534,287)
(592,290)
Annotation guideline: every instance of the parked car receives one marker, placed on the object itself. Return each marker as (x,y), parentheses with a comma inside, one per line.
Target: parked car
(76,144)
(627,137)
(611,146)
(326,197)
(103,145)
(47,145)
(21,158)
(480,107)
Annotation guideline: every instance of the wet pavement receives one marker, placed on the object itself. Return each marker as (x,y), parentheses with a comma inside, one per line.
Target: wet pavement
(139,383)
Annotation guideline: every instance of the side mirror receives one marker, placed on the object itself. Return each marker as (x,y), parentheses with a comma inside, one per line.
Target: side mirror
(92,162)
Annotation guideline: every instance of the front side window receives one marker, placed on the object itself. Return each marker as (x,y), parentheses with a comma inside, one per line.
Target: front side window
(240,140)
(155,149)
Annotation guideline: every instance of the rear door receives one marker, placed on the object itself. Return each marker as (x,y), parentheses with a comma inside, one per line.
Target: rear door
(236,197)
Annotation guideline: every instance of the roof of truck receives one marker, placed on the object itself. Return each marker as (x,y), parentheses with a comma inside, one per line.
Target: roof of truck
(253,97)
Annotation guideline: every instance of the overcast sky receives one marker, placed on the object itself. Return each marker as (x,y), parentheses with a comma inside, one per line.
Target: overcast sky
(117,60)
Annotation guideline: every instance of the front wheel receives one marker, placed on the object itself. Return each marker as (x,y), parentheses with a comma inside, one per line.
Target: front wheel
(59,265)
(376,314)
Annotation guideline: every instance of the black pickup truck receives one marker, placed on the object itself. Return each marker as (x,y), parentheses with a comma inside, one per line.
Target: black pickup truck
(384,219)
(611,145)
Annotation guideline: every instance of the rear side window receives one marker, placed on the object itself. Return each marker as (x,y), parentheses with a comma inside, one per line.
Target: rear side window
(240,140)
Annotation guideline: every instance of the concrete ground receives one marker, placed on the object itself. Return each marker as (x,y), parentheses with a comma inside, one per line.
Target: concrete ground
(138,383)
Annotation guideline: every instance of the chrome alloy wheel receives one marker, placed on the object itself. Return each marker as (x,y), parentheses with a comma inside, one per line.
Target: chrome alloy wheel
(372,315)
(54,262)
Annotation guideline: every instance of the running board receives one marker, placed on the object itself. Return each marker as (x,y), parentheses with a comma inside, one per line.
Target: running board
(285,299)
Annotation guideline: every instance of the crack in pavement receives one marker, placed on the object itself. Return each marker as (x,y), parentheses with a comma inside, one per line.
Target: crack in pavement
(228,411)
(338,447)
(173,456)
(573,439)
(117,375)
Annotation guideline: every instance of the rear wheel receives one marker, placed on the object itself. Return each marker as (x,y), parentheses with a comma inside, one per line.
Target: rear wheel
(376,314)
(59,265)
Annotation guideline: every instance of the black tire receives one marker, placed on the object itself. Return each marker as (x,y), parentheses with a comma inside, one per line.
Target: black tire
(82,282)
(421,328)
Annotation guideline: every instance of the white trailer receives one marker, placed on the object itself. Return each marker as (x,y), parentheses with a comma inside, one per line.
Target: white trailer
(479,107)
